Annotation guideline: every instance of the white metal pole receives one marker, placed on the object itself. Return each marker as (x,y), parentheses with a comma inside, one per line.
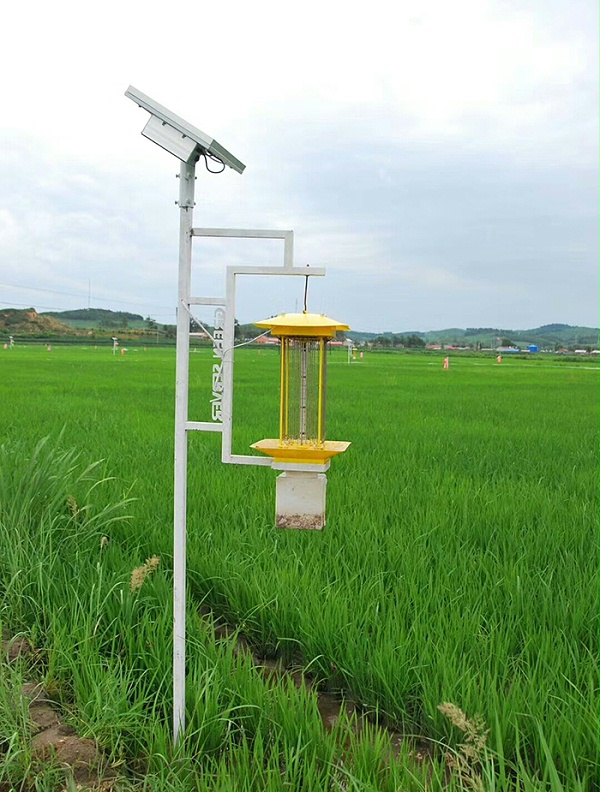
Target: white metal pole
(186,211)
(228,353)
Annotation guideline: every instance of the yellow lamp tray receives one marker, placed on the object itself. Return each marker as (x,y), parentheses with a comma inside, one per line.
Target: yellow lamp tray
(296,452)
(303,324)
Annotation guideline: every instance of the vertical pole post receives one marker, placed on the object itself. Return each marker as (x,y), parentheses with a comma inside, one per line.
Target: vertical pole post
(227,362)
(182,363)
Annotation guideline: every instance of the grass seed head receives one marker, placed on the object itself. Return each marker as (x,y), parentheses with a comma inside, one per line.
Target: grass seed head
(470,753)
(152,563)
(73,507)
(139,574)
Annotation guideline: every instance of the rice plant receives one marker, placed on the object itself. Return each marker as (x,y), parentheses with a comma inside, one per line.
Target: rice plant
(459,564)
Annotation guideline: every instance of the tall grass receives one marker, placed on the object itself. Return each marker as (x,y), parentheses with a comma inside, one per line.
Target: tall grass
(459,564)
(101,627)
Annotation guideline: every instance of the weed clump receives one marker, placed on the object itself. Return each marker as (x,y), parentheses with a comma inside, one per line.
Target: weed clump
(469,754)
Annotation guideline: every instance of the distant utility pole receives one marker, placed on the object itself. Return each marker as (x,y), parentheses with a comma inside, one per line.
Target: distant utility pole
(89,293)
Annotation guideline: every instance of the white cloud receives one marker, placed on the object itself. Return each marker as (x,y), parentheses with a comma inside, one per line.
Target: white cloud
(9,230)
(413,150)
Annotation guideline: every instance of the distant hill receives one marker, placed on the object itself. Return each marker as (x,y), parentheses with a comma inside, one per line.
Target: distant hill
(545,335)
(548,336)
(28,322)
(86,321)
(28,326)
(99,318)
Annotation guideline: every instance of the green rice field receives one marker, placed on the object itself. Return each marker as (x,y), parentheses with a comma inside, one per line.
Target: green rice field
(459,565)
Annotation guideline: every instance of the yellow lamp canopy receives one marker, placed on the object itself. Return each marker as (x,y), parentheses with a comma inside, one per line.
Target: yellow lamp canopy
(302,324)
(303,379)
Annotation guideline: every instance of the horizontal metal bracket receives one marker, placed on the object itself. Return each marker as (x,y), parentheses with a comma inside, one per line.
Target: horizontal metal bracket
(241,459)
(208,301)
(253,233)
(203,426)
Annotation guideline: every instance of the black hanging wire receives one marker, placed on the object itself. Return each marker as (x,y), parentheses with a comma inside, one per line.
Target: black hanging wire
(305,292)
(207,155)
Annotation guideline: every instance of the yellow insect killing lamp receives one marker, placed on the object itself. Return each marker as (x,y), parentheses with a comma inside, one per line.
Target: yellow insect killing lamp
(301,451)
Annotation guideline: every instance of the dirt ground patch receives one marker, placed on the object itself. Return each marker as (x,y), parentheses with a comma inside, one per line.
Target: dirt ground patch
(53,740)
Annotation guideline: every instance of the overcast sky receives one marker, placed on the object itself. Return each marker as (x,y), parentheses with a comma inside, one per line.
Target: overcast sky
(439,160)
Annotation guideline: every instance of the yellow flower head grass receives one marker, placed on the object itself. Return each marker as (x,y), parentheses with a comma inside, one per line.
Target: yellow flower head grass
(139,574)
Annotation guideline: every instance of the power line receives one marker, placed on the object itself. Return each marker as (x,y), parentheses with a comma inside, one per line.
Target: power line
(39,289)
(78,294)
(28,305)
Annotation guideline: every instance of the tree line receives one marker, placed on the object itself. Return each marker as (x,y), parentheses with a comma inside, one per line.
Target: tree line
(392,340)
